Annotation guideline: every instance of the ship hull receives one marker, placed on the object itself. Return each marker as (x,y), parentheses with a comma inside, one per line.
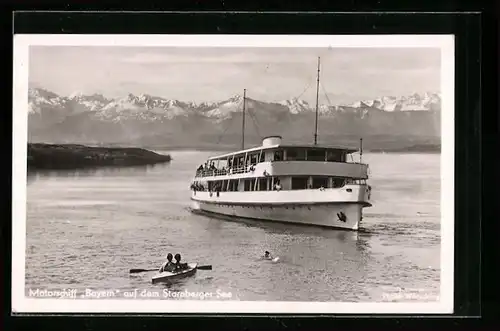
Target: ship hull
(332,215)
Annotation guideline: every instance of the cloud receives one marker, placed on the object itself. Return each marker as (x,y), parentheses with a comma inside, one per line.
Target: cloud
(202,74)
(221,55)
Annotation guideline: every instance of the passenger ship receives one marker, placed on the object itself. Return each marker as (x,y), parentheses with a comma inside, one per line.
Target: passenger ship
(304,184)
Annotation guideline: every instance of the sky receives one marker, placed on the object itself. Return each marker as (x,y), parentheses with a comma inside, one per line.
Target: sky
(217,73)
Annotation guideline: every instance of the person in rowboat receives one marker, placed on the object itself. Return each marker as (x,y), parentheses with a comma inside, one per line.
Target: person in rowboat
(178,265)
(169,265)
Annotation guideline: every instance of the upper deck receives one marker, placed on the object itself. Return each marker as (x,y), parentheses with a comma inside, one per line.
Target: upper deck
(273,143)
(275,158)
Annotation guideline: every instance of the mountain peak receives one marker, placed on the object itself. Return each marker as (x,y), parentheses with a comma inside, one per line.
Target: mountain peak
(76,94)
(236,98)
(296,105)
(41,92)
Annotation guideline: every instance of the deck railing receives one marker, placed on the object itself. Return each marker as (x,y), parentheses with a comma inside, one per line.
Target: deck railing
(237,170)
(223,172)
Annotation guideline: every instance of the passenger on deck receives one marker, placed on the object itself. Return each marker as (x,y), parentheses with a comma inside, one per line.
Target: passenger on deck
(212,168)
(199,171)
(277,185)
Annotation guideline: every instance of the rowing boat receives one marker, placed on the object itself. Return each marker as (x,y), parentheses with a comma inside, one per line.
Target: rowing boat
(167,276)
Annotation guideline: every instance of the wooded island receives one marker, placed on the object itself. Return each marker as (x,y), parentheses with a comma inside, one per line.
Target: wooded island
(71,156)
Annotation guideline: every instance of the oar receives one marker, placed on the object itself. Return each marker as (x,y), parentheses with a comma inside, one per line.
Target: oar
(204,267)
(134,271)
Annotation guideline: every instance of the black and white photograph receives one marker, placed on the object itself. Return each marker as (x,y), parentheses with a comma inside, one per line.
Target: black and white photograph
(233,173)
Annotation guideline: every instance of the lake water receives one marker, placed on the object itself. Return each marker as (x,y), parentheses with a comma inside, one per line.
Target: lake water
(86,229)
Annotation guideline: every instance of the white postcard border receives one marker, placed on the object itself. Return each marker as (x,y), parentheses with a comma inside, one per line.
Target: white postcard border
(22,304)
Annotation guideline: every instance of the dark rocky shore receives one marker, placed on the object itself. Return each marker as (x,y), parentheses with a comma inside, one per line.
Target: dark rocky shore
(68,156)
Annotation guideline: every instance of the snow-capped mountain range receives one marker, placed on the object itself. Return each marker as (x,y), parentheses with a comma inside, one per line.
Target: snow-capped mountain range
(133,105)
(151,120)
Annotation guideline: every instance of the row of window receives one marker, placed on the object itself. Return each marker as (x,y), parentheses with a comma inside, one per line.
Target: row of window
(271,183)
(288,154)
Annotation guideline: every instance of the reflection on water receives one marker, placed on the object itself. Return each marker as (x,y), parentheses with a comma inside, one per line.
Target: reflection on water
(96,224)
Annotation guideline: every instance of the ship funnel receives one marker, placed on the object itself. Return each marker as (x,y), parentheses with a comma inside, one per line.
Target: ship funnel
(271,141)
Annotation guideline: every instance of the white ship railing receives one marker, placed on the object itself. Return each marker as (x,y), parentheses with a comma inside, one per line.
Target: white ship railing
(224,172)
(237,170)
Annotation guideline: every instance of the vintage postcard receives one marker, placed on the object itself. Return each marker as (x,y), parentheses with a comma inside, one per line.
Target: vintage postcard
(233,174)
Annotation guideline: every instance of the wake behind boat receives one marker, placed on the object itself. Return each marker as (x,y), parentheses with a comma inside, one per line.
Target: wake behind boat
(294,183)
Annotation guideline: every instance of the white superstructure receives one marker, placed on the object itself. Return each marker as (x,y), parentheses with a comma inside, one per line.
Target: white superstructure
(288,183)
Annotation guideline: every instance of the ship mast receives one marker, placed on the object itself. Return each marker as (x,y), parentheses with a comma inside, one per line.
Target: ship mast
(360,150)
(317,99)
(243,122)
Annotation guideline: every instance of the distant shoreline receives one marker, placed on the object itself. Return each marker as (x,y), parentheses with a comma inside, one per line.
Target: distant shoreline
(43,156)
(424,148)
